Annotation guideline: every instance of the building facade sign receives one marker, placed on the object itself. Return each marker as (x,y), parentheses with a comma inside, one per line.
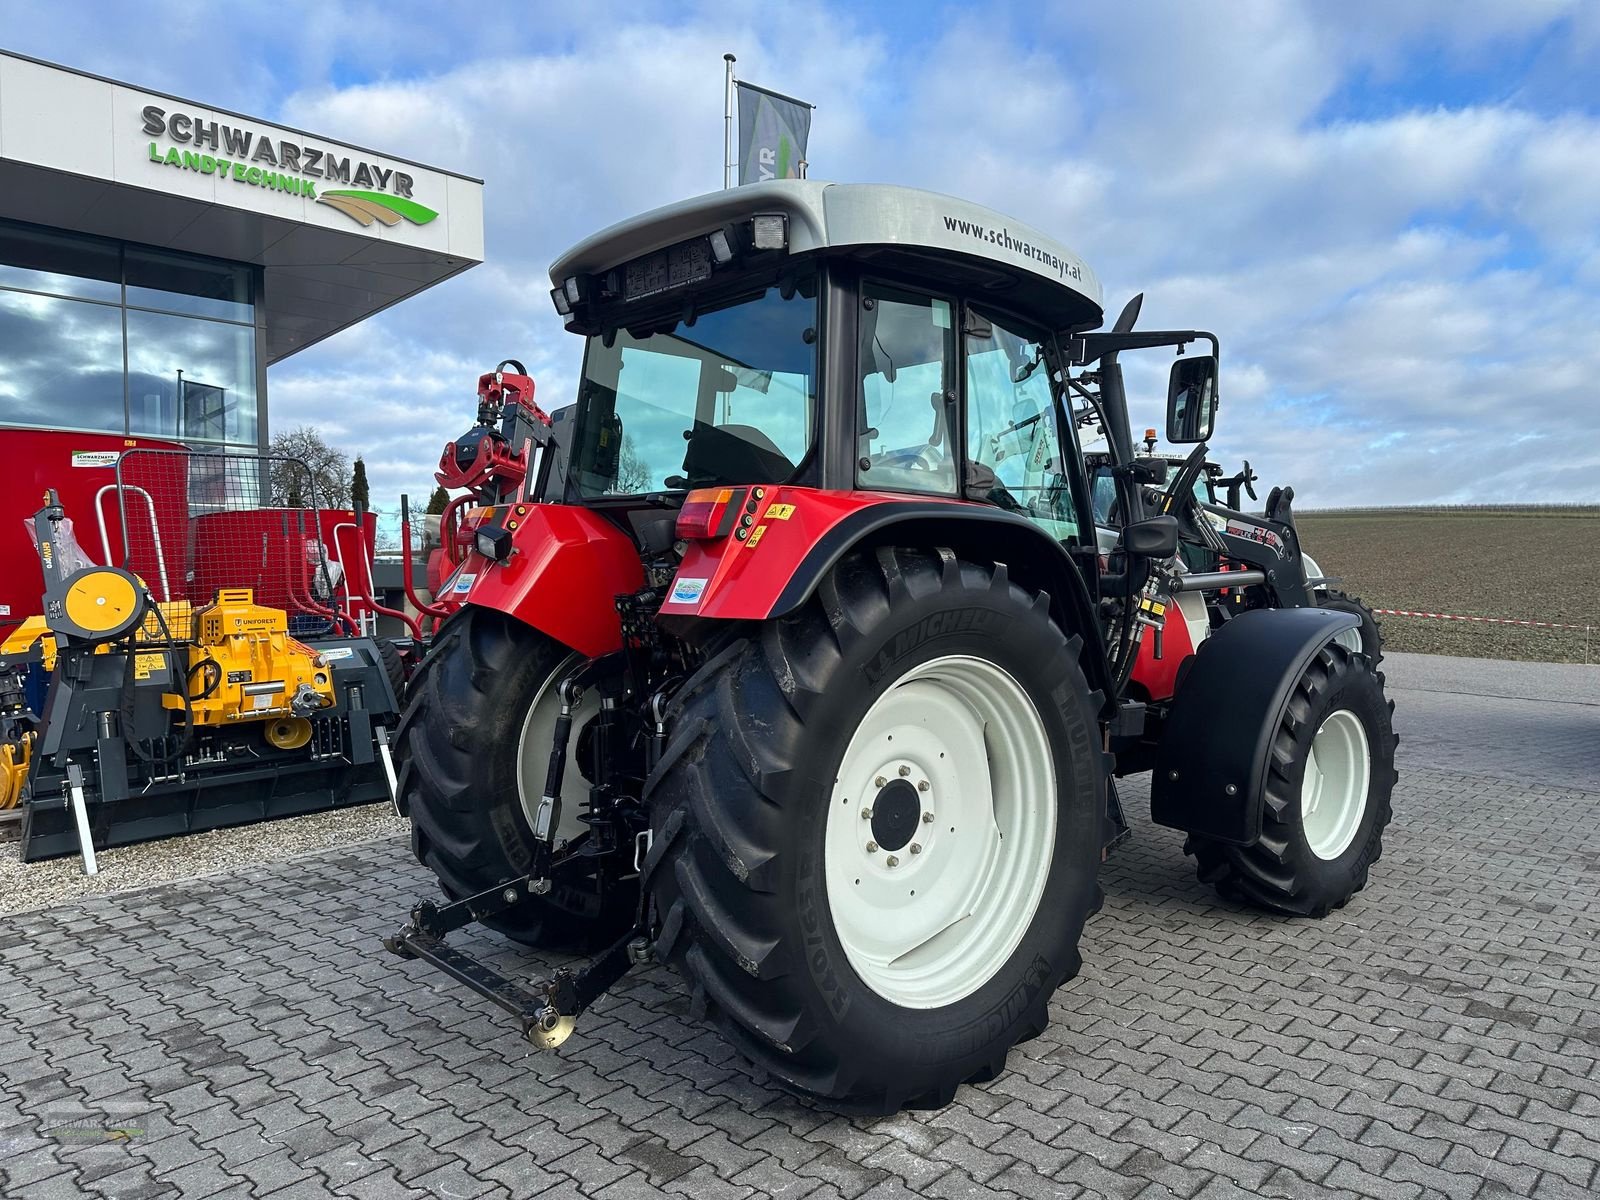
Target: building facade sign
(250,156)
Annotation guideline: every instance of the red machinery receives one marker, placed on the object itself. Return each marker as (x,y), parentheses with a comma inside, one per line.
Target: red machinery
(82,468)
(489,463)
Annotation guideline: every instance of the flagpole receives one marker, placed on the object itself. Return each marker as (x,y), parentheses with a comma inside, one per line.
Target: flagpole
(727,123)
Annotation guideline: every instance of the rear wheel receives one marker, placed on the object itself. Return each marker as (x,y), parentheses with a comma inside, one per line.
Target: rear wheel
(1329,779)
(473,748)
(394,667)
(877,830)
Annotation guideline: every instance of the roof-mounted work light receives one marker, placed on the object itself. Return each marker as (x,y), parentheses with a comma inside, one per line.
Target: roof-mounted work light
(769,231)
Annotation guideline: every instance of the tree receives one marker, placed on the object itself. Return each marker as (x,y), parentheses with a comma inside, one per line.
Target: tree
(359,493)
(316,463)
(437,501)
(633,473)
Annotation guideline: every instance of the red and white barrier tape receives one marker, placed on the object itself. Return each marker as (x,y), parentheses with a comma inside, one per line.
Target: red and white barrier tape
(1405,612)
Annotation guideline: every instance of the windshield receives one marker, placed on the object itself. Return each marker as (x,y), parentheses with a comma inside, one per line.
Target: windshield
(729,399)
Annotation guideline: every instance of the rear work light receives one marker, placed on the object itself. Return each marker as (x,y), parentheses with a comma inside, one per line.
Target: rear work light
(713,512)
(769,231)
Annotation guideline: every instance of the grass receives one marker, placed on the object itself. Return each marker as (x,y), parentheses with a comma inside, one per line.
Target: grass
(1531,564)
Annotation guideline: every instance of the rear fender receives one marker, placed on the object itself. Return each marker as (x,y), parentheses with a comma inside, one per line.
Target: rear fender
(1211,766)
(567,567)
(797,535)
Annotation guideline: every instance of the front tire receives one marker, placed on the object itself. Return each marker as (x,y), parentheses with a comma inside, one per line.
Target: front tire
(472,750)
(1368,637)
(1330,776)
(876,986)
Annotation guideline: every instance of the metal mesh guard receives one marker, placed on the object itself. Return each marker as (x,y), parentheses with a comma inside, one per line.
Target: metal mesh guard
(189,522)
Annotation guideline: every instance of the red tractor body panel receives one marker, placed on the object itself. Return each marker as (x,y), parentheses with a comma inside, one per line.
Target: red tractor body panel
(569,566)
(729,578)
(1158,677)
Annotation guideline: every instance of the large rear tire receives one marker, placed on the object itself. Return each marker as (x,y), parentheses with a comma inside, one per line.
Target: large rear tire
(1330,775)
(473,747)
(877,830)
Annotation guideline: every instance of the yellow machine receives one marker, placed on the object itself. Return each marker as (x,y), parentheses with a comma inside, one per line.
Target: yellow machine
(14,760)
(242,665)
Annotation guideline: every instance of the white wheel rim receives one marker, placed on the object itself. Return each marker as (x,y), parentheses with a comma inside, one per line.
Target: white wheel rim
(1350,639)
(938,923)
(533,753)
(1333,793)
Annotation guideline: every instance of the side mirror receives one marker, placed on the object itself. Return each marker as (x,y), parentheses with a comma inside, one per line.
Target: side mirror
(1151,471)
(1192,399)
(1154,537)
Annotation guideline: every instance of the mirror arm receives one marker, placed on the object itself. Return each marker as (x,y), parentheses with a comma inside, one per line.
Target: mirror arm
(1085,348)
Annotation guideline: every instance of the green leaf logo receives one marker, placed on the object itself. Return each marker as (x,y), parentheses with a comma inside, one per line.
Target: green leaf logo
(368,207)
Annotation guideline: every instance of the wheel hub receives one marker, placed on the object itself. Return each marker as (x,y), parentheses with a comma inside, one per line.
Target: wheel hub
(896,813)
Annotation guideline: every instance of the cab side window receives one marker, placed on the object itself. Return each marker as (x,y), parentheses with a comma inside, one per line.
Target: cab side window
(1014,451)
(905,425)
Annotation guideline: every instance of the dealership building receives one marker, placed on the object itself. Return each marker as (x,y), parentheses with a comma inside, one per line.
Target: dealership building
(158,254)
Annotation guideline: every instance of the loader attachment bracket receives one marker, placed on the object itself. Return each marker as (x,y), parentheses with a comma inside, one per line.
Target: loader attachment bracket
(547,1010)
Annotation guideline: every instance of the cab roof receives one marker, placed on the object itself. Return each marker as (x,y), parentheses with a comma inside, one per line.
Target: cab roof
(902,228)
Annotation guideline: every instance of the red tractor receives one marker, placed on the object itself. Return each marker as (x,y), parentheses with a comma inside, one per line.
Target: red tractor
(796,660)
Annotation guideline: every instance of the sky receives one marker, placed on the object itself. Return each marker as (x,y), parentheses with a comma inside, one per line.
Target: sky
(1388,213)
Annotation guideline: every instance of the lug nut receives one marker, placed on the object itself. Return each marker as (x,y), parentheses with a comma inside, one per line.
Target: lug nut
(866,814)
(872,847)
(923,785)
(904,771)
(915,848)
(927,818)
(893,861)
(509,895)
(880,781)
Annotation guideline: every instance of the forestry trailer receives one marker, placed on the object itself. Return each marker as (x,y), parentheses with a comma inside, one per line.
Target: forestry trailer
(797,661)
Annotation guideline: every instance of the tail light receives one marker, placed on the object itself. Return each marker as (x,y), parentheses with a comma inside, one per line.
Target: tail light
(709,512)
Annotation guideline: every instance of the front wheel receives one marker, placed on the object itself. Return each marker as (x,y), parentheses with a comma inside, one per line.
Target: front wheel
(1366,638)
(1330,775)
(877,830)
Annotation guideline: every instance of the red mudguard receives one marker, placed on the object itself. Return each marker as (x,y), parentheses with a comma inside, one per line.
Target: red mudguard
(569,567)
(726,578)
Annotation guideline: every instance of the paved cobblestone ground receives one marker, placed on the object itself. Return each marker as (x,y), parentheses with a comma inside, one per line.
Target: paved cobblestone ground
(1440,1037)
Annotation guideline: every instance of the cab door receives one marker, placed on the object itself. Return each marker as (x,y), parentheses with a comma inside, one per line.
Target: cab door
(1016,457)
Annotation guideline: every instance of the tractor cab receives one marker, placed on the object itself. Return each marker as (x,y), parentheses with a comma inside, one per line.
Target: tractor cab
(841,337)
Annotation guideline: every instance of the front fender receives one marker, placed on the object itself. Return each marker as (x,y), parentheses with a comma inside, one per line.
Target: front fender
(568,565)
(1219,731)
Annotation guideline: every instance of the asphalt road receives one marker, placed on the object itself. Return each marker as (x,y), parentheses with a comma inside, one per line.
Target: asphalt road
(1439,1037)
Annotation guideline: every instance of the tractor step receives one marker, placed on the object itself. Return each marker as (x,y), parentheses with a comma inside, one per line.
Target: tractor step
(547,1010)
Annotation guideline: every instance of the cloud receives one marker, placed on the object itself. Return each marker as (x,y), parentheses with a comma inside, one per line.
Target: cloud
(1385,212)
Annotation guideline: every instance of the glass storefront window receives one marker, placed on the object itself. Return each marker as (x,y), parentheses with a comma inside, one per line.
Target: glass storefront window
(41,261)
(74,354)
(190,379)
(60,362)
(187,285)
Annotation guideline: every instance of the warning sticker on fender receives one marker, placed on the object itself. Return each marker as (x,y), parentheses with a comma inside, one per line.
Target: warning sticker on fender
(464,583)
(687,591)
